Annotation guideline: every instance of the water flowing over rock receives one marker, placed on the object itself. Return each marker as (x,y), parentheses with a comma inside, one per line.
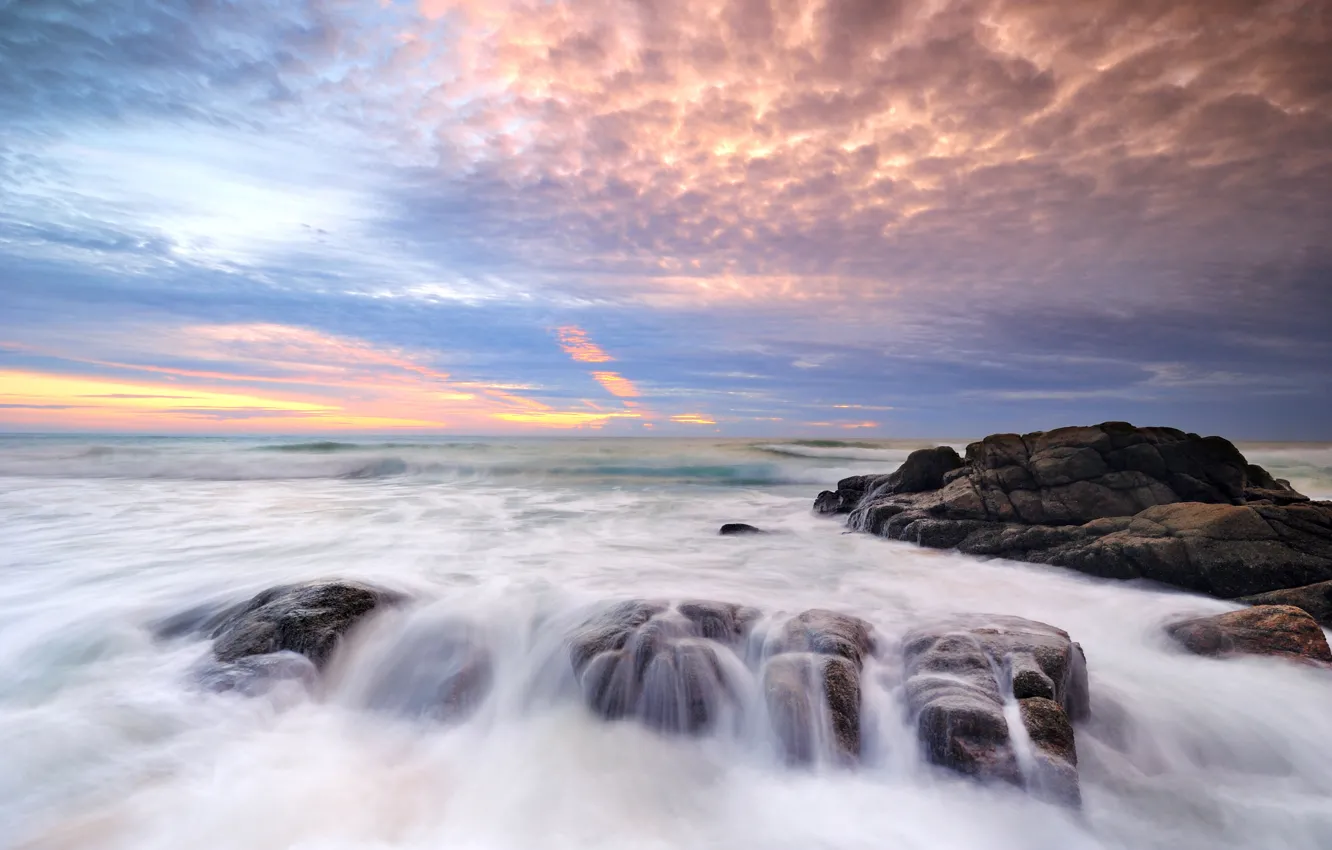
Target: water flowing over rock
(1280,630)
(659,663)
(683,668)
(995,697)
(1111,500)
(811,684)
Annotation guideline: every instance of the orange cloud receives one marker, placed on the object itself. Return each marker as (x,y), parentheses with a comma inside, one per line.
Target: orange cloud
(616,384)
(575,343)
(694,419)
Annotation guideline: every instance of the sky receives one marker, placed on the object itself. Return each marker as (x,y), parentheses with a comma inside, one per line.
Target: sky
(836,218)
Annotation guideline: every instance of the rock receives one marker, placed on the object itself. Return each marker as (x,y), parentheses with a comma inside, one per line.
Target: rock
(1280,630)
(811,684)
(659,663)
(961,673)
(923,470)
(308,619)
(1313,599)
(731,529)
(1110,500)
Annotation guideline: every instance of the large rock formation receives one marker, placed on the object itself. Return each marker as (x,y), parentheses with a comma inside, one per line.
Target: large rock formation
(1111,500)
(961,676)
(1281,630)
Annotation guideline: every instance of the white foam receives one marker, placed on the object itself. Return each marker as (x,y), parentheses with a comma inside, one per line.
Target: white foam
(106,746)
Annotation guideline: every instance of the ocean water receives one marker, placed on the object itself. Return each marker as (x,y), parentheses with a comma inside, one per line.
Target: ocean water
(107,742)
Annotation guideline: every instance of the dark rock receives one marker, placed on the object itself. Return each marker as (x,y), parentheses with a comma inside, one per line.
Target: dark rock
(923,470)
(830,502)
(960,674)
(309,619)
(737,528)
(1110,500)
(1280,630)
(1313,599)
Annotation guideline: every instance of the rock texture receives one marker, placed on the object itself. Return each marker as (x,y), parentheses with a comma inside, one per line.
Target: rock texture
(1280,630)
(1111,500)
(1313,599)
(308,619)
(963,672)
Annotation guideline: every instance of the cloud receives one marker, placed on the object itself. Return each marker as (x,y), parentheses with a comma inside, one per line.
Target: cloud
(766,209)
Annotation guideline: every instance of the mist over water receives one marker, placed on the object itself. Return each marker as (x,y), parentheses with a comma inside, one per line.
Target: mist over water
(107,742)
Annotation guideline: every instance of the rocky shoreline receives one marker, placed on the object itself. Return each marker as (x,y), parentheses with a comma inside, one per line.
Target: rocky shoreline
(1110,500)
(994,697)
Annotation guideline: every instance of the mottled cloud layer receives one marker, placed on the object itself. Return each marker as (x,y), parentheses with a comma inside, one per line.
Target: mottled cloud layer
(744,215)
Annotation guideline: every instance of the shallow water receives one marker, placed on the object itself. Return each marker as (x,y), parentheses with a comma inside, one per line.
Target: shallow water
(106,743)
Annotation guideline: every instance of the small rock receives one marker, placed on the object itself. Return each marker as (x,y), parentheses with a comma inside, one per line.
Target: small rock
(1281,630)
(731,529)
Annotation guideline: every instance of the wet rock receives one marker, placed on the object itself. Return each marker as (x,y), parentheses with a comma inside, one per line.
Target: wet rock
(308,619)
(1279,630)
(256,675)
(812,685)
(923,470)
(1110,500)
(827,633)
(659,663)
(732,529)
(1313,599)
(962,672)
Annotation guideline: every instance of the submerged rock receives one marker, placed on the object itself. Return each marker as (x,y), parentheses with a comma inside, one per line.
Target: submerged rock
(437,667)
(732,529)
(307,619)
(1313,599)
(1280,630)
(1111,500)
(963,672)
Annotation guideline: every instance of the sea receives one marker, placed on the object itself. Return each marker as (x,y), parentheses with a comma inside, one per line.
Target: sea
(107,739)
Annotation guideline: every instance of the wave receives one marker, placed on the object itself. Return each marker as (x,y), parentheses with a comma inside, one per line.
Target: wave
(815,449)
(330,447)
